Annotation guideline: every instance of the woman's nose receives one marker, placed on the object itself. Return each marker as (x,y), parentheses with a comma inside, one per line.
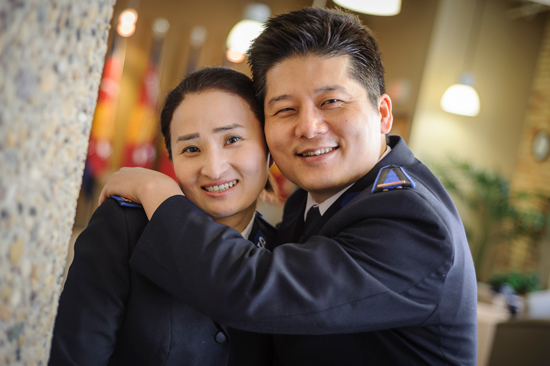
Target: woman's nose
(215,165)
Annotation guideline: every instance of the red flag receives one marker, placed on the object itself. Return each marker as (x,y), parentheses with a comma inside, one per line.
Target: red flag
(164,165)
(142,126)
(100,147)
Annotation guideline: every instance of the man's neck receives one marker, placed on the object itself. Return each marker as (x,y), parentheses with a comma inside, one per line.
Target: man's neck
(325,201)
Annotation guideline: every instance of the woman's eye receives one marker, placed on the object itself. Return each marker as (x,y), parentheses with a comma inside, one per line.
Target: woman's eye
(232,140)
(191,150)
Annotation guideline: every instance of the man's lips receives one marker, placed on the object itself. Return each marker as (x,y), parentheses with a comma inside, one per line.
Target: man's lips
(317,152)
(220,187)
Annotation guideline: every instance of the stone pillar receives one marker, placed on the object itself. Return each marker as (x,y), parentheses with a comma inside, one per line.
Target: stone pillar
(51,58)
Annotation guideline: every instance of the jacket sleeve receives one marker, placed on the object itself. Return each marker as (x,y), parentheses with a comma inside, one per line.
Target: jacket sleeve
(92,304)
(369,271)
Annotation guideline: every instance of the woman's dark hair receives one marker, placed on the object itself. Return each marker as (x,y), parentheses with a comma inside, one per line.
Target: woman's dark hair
(212,78)
(319,32)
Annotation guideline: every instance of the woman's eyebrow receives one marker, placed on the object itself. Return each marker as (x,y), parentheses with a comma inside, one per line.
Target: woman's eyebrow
(188,137)
(196,135)
(227,128)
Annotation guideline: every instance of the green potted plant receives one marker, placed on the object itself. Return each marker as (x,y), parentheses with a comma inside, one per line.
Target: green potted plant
(495,215)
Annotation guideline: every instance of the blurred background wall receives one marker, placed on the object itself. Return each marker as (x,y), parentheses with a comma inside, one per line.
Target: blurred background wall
(51,58)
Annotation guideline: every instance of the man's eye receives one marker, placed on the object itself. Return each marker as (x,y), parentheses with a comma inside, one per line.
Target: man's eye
(191,150)
(283,110)
(330,101)
(232,140)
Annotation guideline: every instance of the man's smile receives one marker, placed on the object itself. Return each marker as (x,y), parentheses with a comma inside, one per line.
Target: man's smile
(316,152)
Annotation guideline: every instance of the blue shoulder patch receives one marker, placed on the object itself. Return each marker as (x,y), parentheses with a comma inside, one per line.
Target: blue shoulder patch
(260,240)
(124,202)
(392,177)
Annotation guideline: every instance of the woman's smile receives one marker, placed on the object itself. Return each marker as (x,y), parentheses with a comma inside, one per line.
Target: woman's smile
(220,188)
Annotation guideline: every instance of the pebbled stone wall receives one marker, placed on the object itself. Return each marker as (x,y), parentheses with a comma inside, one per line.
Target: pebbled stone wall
(51,58)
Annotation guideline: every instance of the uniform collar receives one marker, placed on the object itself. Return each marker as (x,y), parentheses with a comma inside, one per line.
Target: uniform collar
(324,206)
(246,232)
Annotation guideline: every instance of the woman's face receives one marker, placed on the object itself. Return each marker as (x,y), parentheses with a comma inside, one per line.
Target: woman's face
(219,155)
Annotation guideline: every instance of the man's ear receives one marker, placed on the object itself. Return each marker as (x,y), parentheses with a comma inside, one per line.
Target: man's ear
(386,117)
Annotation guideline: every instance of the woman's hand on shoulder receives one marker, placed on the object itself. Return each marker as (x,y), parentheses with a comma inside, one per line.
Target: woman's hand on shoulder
(145,186)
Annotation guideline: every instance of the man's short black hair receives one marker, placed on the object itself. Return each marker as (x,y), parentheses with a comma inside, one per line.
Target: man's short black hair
(323,33)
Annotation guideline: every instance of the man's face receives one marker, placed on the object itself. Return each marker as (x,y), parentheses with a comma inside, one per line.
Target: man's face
(320,126)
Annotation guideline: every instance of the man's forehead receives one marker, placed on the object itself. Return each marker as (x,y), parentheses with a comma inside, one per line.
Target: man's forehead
(326,74)
(301,64)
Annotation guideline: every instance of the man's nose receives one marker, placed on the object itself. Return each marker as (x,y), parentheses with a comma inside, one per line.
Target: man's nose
(310,123)
(215,165)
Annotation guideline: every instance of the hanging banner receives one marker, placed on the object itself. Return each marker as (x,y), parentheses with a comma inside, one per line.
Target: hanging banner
(164,165)
(142,128)
(139,150)
(100,147)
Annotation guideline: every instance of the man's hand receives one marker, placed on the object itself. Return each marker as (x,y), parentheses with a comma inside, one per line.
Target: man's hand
(145,186)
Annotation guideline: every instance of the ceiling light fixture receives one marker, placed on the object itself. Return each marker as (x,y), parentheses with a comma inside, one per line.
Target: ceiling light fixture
(245,31)
(372,7)
(462,98)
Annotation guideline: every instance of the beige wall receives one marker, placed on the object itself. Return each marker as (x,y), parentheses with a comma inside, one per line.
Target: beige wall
(404,41)
(503,67)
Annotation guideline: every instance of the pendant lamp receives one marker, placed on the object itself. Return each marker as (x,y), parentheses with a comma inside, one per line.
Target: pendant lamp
(462,98)
(244,32)
(127,22)
(372,7)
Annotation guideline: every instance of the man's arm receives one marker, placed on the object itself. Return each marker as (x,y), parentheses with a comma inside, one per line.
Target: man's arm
(92,304)
(145,186)
(369,271)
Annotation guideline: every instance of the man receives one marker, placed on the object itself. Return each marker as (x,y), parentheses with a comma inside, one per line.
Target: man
(384,276)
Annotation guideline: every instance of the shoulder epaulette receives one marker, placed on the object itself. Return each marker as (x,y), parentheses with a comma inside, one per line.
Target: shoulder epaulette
(260,240)
(392,177)
(124,202)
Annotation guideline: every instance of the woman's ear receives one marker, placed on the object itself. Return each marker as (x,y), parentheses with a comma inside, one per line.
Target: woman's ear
(270,160)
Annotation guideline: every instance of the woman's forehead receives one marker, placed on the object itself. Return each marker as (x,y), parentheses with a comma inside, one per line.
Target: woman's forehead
(208,111)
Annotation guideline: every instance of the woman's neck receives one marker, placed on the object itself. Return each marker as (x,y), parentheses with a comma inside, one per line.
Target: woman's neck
(238,221)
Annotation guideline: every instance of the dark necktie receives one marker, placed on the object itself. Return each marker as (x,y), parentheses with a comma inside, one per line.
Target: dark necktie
(312,218)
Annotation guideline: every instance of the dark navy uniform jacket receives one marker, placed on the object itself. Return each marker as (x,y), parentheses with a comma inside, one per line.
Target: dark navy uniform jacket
(111,315)
(387,279)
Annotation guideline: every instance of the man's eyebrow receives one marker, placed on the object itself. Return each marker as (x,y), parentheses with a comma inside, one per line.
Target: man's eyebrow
(328,88)
(323,89)
(278,99)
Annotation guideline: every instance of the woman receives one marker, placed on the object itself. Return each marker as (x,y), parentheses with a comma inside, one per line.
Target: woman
(109,314)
